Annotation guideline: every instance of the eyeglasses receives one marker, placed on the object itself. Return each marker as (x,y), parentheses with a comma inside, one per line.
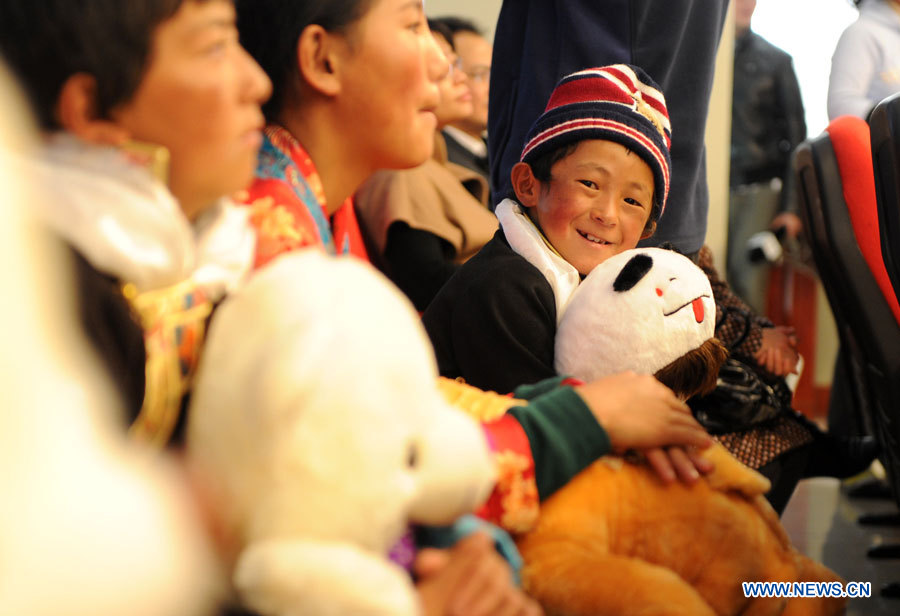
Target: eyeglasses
(455,65)
(479,73)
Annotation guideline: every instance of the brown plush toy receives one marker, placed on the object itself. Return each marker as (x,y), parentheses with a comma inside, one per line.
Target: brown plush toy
(617,541)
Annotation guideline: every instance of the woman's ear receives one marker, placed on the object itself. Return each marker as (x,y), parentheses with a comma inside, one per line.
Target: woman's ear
(526,186)
(76,112)
(318,59)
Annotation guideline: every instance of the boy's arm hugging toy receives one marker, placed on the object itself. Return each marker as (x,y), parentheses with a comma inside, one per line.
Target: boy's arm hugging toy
(318,429)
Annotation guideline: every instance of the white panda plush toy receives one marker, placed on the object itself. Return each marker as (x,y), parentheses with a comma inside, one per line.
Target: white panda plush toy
(638,311)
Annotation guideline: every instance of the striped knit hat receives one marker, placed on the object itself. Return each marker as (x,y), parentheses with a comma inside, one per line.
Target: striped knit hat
(616,103)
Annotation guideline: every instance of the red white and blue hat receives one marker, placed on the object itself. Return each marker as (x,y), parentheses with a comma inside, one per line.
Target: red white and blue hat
(616,103)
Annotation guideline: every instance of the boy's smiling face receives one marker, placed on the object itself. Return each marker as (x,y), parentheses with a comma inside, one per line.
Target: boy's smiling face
(597,203)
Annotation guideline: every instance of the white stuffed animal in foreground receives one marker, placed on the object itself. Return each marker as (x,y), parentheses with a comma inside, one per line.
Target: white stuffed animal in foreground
(317,422)
(90,523)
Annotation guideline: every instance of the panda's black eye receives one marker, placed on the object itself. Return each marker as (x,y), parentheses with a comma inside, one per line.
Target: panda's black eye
(412,455)
(636,268)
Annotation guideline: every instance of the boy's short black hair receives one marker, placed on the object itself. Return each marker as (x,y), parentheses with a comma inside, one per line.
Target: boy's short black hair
(270,30)
(542,166)
(45,42)
(457,24)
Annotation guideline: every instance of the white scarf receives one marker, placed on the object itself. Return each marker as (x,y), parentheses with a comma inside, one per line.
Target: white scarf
(528,242)
(129,225)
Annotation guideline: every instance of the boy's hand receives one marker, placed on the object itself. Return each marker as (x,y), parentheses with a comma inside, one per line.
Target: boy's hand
(469,579)
(778,353)
(639,412)
(674,463)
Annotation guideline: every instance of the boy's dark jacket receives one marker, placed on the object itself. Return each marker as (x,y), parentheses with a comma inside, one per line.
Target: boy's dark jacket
(499,301)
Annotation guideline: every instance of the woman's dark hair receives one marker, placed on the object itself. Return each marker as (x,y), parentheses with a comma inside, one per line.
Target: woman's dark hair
(543,165)
(456,24)
(45,42)
(270,29)
(439,28)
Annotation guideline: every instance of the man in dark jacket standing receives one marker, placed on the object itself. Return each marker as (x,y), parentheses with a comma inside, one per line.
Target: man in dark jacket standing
(537,42)
(767,123)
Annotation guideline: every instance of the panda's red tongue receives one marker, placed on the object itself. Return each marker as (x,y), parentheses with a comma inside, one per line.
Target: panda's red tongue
(698,309)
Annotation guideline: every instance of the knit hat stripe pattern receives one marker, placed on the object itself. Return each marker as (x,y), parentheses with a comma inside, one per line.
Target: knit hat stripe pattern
(626,78)
(616,83)
(650,94)
(617,103)
(661,156)
(585,89)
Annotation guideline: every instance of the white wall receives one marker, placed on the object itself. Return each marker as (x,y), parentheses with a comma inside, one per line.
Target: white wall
(718,146)
(483,12)
(809,31)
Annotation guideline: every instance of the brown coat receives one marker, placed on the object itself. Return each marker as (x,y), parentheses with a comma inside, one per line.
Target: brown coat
(438,196)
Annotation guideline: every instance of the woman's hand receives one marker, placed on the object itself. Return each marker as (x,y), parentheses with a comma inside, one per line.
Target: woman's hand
(778,353)
(469,579)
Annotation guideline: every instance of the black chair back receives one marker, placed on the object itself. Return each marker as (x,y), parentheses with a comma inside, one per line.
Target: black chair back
(884,125)
(869,331)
